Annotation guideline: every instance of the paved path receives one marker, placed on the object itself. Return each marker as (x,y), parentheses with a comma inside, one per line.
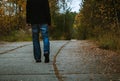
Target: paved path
(70,61)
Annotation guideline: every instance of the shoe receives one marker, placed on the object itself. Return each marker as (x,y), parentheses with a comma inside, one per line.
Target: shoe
(38,61)
(46,58)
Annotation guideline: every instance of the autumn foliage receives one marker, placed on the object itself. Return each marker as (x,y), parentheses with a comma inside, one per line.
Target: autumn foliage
(97,19)
(100,20)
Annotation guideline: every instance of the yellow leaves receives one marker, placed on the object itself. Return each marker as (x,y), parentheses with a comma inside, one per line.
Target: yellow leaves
(102,8)
(1,11)
(77,21)
(12,15)
(22,4)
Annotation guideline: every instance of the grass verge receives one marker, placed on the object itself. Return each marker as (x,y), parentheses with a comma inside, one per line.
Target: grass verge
(110,42)
(20,35)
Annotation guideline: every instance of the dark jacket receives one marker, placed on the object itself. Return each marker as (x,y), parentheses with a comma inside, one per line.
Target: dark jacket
(38,12)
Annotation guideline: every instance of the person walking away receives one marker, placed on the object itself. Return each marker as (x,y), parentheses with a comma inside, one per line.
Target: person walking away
(38,16)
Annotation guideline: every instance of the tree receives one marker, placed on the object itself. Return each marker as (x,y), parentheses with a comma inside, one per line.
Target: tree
(100,21)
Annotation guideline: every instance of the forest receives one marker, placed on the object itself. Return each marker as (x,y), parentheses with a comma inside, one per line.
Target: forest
(97,20)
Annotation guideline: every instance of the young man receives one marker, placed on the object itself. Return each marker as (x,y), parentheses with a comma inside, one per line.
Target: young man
(38,16)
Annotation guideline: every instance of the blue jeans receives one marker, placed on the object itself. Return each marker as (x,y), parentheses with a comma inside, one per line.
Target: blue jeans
(43,28)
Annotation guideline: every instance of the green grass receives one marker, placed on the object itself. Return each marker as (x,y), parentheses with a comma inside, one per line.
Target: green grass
(20,35)
(110,42)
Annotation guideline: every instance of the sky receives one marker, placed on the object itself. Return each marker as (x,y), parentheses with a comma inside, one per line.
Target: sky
(75,5)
